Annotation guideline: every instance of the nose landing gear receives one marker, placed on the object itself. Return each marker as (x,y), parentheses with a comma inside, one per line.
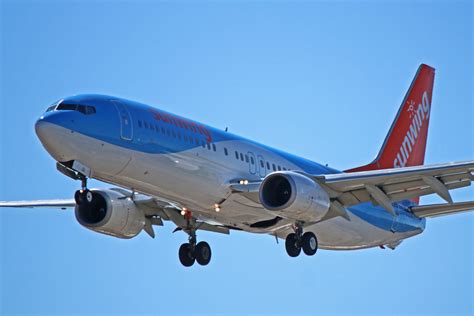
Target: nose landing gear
(296,241)
(83,195)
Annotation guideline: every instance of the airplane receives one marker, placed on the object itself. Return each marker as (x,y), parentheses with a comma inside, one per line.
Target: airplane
(165,167)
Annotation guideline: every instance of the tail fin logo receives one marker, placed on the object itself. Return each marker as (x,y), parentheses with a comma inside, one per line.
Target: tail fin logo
(419,117)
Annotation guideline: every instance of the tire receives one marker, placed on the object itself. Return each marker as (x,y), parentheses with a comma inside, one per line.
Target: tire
(88,196)
(203,253)
(186,256)
(292,245)
(309,243)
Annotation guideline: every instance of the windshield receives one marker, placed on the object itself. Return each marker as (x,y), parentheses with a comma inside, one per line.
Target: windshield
(84,109)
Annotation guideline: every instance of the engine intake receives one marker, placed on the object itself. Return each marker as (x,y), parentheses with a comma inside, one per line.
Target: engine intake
(294,196)
(111,213)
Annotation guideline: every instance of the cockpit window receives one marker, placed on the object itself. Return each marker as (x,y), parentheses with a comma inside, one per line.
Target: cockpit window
(51,108)
(84,109)
(67,106)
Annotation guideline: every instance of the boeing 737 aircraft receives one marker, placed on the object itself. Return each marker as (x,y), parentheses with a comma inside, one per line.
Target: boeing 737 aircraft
(168,168)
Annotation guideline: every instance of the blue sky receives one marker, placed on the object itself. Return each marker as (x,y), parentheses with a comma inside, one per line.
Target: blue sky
(322,80)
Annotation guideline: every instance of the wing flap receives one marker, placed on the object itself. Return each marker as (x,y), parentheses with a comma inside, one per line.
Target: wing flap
(382,186)
(357,180)
(413,193)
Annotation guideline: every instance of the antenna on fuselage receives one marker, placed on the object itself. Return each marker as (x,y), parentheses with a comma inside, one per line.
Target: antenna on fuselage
(226,129)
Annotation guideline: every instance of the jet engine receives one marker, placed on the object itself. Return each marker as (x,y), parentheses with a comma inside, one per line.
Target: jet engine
(294,196)
(111,213)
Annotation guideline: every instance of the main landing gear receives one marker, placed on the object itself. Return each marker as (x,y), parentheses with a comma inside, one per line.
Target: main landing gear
(192,251)
(83,195)
(296,241)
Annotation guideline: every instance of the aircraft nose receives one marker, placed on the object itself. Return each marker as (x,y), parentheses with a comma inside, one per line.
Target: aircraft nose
(42,129)
(53,137)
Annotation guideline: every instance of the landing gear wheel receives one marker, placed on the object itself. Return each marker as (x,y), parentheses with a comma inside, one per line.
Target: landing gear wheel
(292,245)
(89,196)
(309,242)
(83,196)
(202,252)
(186,255)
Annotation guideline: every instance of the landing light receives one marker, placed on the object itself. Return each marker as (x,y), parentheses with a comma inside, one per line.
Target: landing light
(244,182)
(217,207)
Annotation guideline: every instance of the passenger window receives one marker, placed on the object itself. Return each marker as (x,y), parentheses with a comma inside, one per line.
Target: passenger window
(236,155)
(274,168)
(279,168)
(241,156)
(262,164)
(208,146)
(214,147)
(226,152)
(139,123)
(246,158)
(252,160)
(268,165)
(203,144)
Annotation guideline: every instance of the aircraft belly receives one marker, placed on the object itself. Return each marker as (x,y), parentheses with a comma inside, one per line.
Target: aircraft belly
(340,234)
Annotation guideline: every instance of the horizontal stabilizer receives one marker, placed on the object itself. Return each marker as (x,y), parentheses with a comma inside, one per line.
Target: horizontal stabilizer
(434,210)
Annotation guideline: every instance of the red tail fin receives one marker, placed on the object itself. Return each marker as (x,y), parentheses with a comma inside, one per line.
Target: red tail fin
(406,141)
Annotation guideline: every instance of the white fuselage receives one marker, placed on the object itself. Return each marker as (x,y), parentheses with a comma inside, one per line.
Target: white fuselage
(199,178)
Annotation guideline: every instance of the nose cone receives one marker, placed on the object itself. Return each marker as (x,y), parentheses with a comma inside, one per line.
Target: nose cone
(53,137)
(43,129)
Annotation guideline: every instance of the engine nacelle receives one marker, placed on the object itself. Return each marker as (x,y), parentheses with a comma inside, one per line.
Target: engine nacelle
(294,196)
(111,213)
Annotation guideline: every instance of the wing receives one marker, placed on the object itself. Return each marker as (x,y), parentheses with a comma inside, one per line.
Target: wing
(155,210)
(389,185)
(171,211)
(435,210)
(385,186)
(63,204)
